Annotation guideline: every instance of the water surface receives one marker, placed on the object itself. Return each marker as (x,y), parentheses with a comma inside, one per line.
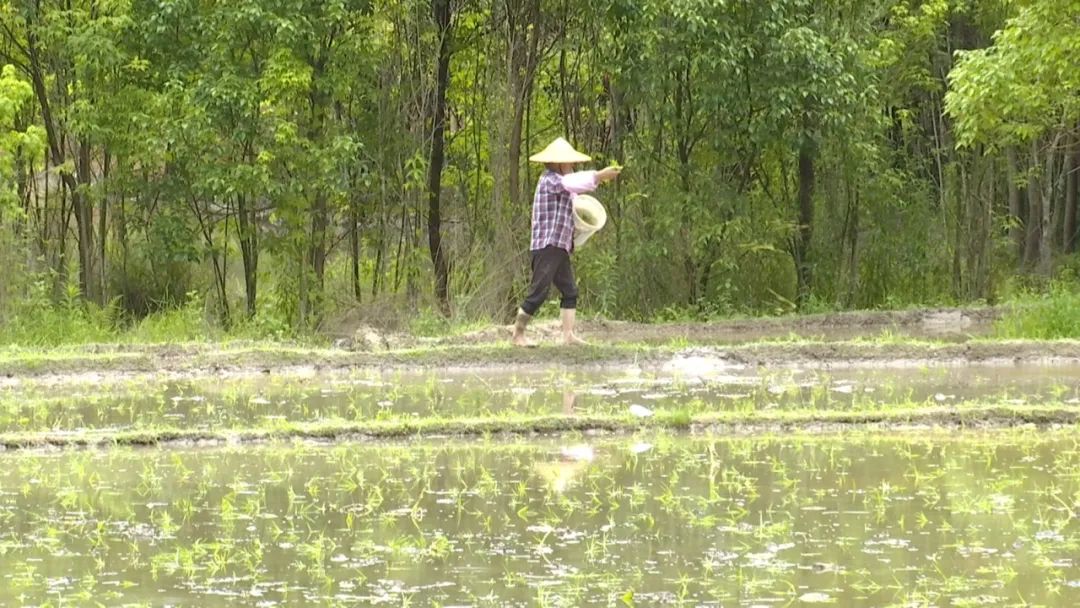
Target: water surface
(695,385)
(655,519)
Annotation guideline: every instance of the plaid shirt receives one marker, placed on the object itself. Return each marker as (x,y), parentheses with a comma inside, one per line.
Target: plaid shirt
(553,208)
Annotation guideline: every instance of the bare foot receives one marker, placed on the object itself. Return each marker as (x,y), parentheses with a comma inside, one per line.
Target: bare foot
(522,341)
(573,340)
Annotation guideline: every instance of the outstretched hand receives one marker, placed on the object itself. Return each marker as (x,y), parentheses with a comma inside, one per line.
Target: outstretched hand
(608,174)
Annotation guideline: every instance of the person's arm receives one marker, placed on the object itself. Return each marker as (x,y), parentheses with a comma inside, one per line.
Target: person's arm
(580,182)
(587,181)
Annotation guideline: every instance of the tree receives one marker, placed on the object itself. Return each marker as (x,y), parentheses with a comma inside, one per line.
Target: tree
(1024,90)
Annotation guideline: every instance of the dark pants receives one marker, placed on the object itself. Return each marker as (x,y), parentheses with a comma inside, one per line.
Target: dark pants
(551,265)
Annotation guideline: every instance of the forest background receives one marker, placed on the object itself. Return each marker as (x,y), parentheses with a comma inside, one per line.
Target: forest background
(178,169)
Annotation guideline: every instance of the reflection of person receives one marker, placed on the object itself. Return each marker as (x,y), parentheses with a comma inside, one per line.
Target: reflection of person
(553,234)
(573,460)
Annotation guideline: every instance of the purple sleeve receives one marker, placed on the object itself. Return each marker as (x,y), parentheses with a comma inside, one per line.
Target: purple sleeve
(580,182)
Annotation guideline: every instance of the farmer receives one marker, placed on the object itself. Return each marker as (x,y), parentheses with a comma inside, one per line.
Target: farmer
(553,234)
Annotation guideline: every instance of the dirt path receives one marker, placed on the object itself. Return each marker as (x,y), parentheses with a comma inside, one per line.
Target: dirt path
(803,342)
(939,324)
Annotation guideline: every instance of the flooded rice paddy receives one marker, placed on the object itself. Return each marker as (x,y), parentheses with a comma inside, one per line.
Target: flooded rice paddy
(688,385)
(653,519)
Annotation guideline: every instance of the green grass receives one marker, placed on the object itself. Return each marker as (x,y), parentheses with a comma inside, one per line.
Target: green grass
(1054,315)
(978,416)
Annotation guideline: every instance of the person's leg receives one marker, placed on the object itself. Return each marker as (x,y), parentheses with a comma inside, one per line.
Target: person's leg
(567,285)
(544,265)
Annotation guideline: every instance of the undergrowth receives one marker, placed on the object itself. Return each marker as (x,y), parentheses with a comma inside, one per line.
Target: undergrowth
(1051,315)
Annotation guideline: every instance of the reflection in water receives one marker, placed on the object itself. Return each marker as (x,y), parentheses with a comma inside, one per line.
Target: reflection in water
(568,399)
(858,520)
(369,395)
(561,473)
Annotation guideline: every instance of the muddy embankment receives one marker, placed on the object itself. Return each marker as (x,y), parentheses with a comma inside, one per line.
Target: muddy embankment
(884,339)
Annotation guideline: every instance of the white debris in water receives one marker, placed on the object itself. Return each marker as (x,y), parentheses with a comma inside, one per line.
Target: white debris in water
(1002,501)
(385,403)
(1051,535)
(653,396)
(540,529)
(259,401)
(522,391)
(939,397)
(697,365)
(640,411)
(739,380)
(776,389)
(847,389)
(815,598)
(640,448)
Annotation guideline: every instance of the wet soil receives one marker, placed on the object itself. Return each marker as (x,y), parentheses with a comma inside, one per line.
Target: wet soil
(939,324)
(849,340)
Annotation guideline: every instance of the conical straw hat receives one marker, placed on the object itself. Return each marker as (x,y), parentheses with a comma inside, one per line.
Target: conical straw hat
(559,151)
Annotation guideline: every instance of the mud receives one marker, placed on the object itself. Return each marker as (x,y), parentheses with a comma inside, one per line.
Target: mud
(939,324)
(850,340)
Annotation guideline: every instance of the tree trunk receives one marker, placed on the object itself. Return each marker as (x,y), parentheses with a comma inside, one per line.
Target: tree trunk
(317,254)
(249,250)
(986,221)
(1016,226)
(441,12)
(84,221)
(804,232)
(1070,167)
(103,229)
(1033,218)
(354,248)
(1047,238)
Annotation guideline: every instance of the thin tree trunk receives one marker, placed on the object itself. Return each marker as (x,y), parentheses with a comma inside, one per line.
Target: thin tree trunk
(804,232)
(441,12)
(1016,226)
(103,228)
(1047,181)
(1071,165)
(302,301)
(207,227)
(84,219)
(247,219)
(960,224)
(354,248)
(1033,219)
(316,260)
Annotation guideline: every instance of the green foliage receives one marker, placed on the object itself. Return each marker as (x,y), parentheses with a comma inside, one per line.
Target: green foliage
(1025,84)
(38,321)
(245,150)
(15,93)
(1038,314)
(187,323)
